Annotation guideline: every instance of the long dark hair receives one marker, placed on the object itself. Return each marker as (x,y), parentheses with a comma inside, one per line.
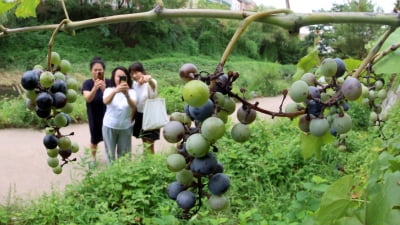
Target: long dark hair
(136,67)
(95,60)
(128,78)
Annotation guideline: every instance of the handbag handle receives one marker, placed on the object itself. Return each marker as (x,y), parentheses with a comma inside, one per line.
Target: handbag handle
(150,93)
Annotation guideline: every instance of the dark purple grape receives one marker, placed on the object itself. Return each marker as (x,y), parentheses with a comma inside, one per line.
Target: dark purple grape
(202,112)
(42,113)
(219,168)
(345,106)
(341,67)
(30,79)
(314,92)
(174,189)
(186,200)
(65,153)
(333,131)
(314,108)
(60,99)
(59,86)
(187,72)
(219,184)
(204,165)
(221,84)
(44,100)
(50,141)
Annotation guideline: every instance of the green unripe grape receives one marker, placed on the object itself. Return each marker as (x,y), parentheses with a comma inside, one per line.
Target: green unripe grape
(212,129)
(299,91)
(291,107)
(342,148)
(60,120)
(195,93)
(219,98)
(184,177)
(52,152)
(364,91)
(240,132)
(59,76)
(181,117)
(31,94)
(328,67)
(222,115)
(378,85)
(371,95)
(382,94)
(65,66)
(373,117)
(74,147)
(197,145)
(55,58)
(342,124)
(52,162)
(64,143)
(72,84)
(218,202)
(46,79)
(318,127)
(176,162)
(71,95)
(340,80)
(309,78)
(57,169)
(229,105)
(324,97)
(68,108)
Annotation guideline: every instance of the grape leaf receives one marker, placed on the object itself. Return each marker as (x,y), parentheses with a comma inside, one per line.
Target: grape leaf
(336,200)
(389,63)
(383,205)
(5,6)
(306,63)
(27,8)
(348,220)
(310,144)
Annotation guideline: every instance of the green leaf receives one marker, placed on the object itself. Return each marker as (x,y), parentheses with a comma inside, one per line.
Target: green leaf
(348,220)
(336,200)
(5,6)
(306,63)
(310,144)
(383,205)
(27,8)
(389,64)
(352,64)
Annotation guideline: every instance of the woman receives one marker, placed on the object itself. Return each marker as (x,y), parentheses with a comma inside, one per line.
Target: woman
(120,100)
(92,90)
(144,85)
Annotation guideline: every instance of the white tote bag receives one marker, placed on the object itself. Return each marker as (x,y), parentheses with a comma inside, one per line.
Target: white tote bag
(154,114)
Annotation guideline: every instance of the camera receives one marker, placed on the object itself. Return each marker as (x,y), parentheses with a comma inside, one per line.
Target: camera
(100,75)
(122,79)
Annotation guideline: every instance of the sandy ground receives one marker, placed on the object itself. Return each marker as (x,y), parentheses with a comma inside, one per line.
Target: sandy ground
(24,173)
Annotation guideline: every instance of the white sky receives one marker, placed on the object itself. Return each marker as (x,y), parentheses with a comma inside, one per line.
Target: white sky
(307,6)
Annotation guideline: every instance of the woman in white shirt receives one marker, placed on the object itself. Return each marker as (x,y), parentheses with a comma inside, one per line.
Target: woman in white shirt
(120,100)
(145,86)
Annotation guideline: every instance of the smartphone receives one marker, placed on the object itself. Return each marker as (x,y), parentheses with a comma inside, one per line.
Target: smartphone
(100,75)
(122,79)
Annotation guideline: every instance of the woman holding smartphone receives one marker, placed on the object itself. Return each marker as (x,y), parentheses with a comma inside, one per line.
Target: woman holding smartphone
(120,100)
(92,90)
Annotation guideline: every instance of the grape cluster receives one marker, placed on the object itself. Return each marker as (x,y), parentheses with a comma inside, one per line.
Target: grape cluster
(51,95)
(196,131)
(373,94)
(325,104)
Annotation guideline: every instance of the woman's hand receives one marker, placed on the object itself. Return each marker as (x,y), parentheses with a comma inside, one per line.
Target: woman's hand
(123,88)
(99,84)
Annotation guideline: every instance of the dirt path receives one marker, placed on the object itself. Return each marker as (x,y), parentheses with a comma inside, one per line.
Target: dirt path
(23,160)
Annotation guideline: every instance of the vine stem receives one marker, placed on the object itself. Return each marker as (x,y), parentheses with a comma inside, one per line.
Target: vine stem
(290,21)
(372,54)
(65,9)
(239,31)
(51,41)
